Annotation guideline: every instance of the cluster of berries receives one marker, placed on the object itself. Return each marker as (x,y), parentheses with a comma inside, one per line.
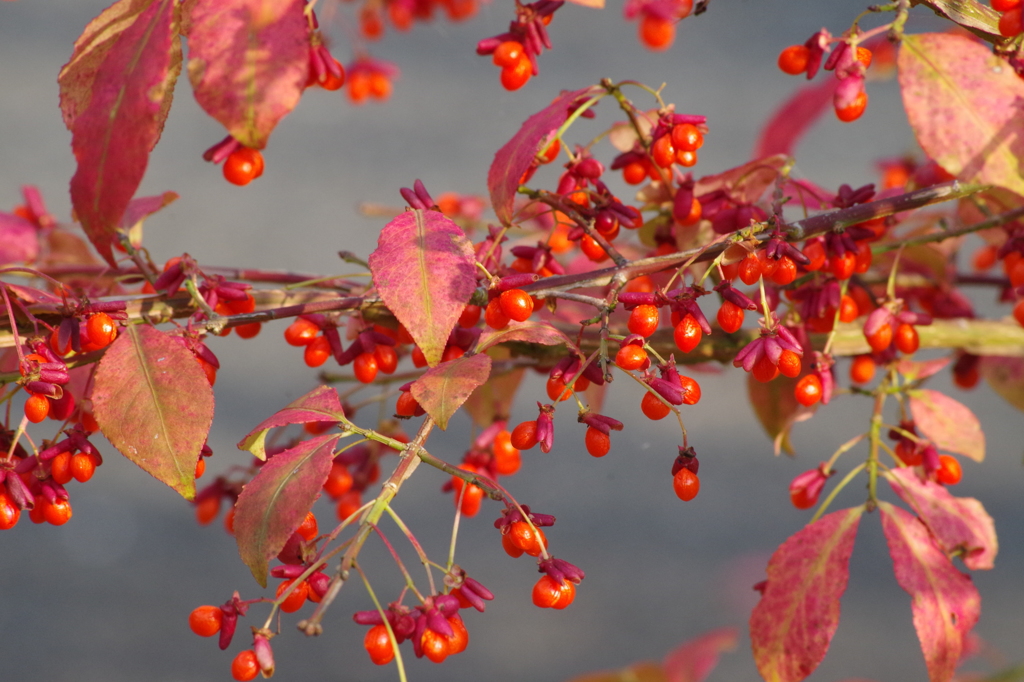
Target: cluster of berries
(848,61)
(1010,24)
(658,19)
(403,13)
(515,52)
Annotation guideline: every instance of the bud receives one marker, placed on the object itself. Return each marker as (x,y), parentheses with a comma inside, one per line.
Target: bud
(264,654)
(806,488)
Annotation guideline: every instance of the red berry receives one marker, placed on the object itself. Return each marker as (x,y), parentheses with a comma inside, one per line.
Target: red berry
(1005,5)
(662,151)
(434,646)
(691,390)
(459,640)
(349,504)
(60,468)
(365,367)
(862,370)
(245,666)
(516,304)
(657,33)
(200,468)
(205,621)
(308,528)
(643,320)
(243,166)
(9,512)
(848,309)
(470,316)
(524,436)
(634,173)
(294,601)
(750,269)
(907,341)
(687,137)
(507,458)
(765,370)
(598,443)
(317,351)
(793,60)
(1010,23)
(83,466)
(378,645)
(386,357)
(508,54)
(525,538)
(547,592)
(101,329)
(332,82)
(949,472)
(789,364)
(57,513)
(248,331)
(808,390)
(301,332)
(653,408)
(842,266)
(339,480)
(688,333)
(631,356)
(207,509)
(494,315)
(37,407)
(471,500)
(853,111)
(785,271)
(452,353)
(515,76)
(881,339)
(730,317)
(909,453)
(686,484)
(592,250)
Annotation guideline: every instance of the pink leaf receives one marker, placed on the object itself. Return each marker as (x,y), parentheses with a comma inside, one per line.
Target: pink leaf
(949,424)
(143,207)
(1006,377)
(512,160)
(959,524)
(319,405)
(944,602)
(692,661)
(744,184)
(274,503)
(248,62)
(789,123)
(18,240)
(963,104)
(442,389)
(530,331)
(129,98)
(154,404)
(793,624)
(913,370)
(493,400)
(424,268)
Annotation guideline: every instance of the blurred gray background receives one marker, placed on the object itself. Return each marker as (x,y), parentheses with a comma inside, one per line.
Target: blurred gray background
(106,598)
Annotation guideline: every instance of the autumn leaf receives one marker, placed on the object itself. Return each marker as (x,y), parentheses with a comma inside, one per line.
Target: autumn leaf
(793,624)
(116,93)
(530,331)
(964,105)
(274,503)
(442,390)
(944,602)
(248,61)
(319,405)
(959,524)
(424,268)
(153,402)
(949,424)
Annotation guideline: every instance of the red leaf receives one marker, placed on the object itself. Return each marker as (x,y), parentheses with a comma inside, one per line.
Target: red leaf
(959,524)
(274,503)
(143,207)
(442,389)
(129,95)
(248,61)
(693,661)
(944,602)
(782,132)
(1006,377)
(974,16)
(153,402)
(793,624)
(424,268)
(18,240)
(493,400)
(963,105)
(319,405)
(744,184)
(512,160)
(949,424)
(529,332)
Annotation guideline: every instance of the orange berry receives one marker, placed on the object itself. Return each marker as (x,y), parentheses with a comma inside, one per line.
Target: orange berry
(848,309)
(294,601)
(598,443)
(494,315)
(765,370)
(789,364)
(245,666)
(508,54)
(339,480)
(434,646)
(207,509)
(516,304)
(686,484)
(515,76)
(793,60)
(854,110)
(688,333)
(386,357)
(9,511)
(906,339)
(57,513)
(378,645)
(949,472)
(308,528)
(657,33)
(60,468)
(643,320)
(730,317)
(524,436)
(317,351)
(592,249)
(101,329)
(881,339)
(653,408)
(808,390)
(83,466)
(631,356)
(37,407)
(205,621)
(662,151)
(862,370)
(243,166)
